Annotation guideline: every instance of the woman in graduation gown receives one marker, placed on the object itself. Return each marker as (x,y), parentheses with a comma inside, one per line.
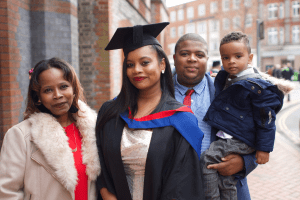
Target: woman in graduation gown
(148,143)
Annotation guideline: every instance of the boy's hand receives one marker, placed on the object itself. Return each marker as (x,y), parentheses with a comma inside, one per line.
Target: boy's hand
(262,157)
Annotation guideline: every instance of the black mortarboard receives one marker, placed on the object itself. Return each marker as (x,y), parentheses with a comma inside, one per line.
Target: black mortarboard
(216,63)
(131,38)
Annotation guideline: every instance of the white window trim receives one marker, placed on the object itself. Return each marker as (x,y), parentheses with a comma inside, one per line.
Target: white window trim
(295,6)
(223,5)
(281,35)
(224,23)
(281,10)
(178,31)
(272,33)
(236,4)
(213,7)
(249,17)
(204,11)
(296,31)
(235,24)
(273,8)
(190,13)
(248,3)
(180,15)
(173,16)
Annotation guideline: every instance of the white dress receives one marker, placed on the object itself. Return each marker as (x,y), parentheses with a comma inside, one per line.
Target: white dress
(134,149)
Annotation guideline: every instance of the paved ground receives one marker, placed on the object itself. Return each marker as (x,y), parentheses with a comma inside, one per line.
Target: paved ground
(279,179)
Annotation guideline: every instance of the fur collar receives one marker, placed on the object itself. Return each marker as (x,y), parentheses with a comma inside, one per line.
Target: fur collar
(284,86)
(52,141)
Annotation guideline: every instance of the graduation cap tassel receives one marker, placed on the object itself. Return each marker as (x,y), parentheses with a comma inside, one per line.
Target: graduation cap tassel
(137,34)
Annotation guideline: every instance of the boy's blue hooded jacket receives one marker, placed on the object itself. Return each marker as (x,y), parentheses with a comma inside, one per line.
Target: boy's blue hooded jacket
(246,110)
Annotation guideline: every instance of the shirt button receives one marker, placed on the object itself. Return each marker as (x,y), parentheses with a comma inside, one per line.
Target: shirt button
(241,117)
(192,100)
(259,91)
(227,108)
(252,88)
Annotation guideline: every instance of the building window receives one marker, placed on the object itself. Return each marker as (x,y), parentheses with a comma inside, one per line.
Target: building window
(236,4)
(190,28)
(213,7)
(180,31)
(201,10)
(296,7)
(295,34)
(236,23)
(281,11)
(249,20)
(190,13)
(273,36)
(180,15)
(173,16)
(248,3)
(214,25)
(172,48)
(173,32)
(281,35)
(213,44)
(250,40)
(226,5)
(201,27)
(226,24)
(272,11)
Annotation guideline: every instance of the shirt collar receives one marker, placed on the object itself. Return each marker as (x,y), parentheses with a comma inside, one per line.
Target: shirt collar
(247,71)
(182,89)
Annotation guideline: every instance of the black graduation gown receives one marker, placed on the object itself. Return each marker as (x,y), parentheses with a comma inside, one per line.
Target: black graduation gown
(172,168)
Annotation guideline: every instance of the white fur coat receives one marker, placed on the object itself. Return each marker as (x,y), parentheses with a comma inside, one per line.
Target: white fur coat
(50,138)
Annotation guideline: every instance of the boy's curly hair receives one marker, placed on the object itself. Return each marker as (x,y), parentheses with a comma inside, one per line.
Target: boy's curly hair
(236,36)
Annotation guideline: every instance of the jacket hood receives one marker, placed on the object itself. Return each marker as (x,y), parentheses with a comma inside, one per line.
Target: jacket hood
(284,86)
(49,136)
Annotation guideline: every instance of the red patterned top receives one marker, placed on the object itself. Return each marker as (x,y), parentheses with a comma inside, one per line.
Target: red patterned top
(81,190)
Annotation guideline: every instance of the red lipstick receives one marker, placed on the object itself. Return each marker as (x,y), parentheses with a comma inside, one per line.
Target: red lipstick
(139,78)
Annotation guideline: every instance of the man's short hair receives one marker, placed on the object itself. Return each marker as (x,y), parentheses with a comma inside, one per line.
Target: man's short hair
(190,36)
(236,36)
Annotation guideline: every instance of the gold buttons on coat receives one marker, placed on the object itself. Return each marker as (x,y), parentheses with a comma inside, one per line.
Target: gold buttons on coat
(259,91)
(252,87)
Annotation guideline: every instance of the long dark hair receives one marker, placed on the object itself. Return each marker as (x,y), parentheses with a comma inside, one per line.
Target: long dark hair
(129,94)
(33,104)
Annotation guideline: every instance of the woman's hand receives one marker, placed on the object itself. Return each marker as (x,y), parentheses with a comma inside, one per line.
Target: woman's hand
(106,195)
(232,164)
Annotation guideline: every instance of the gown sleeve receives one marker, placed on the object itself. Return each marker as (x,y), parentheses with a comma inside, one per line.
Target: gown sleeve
(104,180)
(183,180)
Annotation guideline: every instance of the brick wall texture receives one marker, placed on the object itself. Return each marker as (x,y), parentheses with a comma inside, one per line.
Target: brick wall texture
(74,30)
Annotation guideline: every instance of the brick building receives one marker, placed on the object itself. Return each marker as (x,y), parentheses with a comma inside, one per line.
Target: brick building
(282,28)
(75,30)
(213,19)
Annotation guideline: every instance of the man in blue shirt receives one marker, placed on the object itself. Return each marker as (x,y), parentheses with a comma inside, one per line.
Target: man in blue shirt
(190,60)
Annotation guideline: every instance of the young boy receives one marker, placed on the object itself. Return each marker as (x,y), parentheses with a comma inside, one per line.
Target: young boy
(244,111)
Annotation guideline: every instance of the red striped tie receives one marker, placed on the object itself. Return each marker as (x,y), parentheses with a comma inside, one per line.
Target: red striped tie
(187,98)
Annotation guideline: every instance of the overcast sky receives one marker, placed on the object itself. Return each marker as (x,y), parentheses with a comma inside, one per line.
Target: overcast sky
(171,3)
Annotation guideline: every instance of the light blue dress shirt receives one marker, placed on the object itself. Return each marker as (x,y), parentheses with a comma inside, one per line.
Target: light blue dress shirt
(200,104)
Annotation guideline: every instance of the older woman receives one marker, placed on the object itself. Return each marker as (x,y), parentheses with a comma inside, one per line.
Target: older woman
(52,154)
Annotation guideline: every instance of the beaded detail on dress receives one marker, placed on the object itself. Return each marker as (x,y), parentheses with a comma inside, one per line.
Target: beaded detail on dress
(134,150)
